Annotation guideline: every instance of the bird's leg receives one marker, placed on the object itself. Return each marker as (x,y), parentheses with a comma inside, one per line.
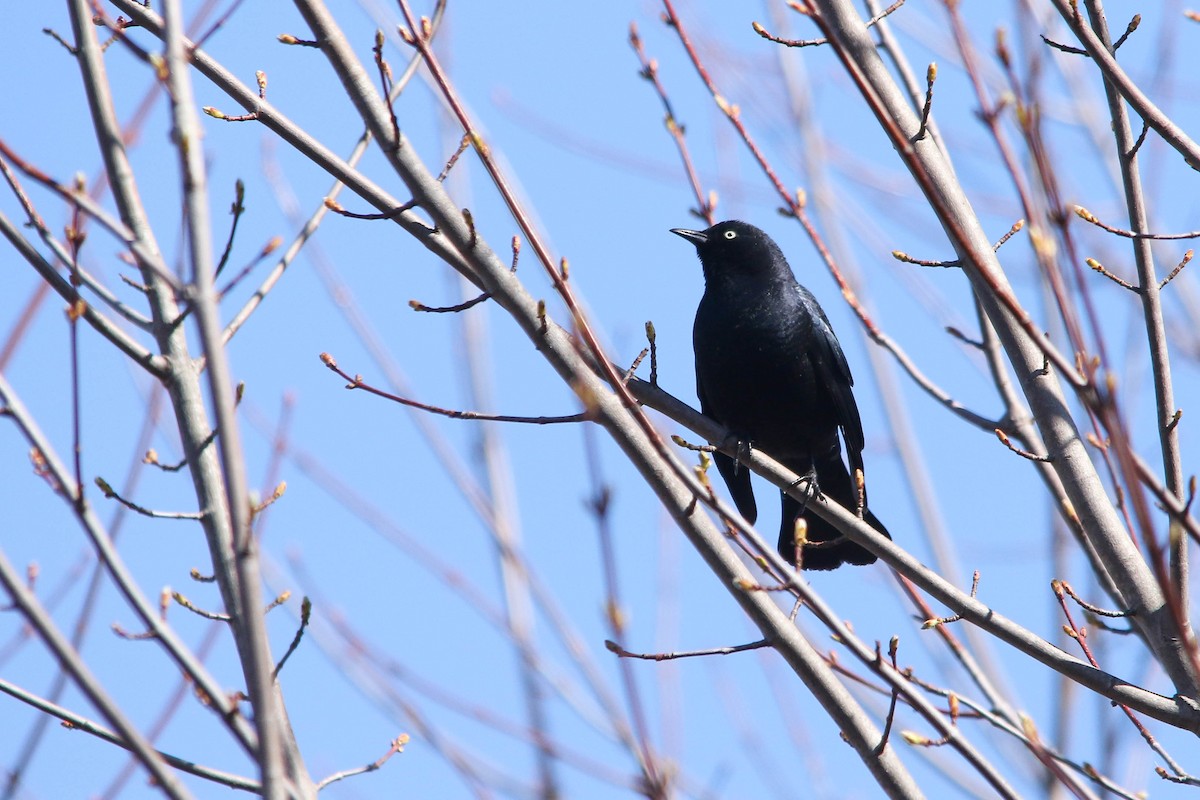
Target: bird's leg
(744,448)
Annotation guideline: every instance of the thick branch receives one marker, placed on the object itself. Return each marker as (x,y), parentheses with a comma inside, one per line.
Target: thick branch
(275,738)
(620,420)
(1152,313)
(1116,77)
(1100,521)
(1174,711)
(182,382)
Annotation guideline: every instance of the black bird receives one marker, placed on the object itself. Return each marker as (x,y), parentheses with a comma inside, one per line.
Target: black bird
(769,368)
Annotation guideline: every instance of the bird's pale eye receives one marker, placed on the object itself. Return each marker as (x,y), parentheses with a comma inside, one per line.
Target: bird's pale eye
(730,234)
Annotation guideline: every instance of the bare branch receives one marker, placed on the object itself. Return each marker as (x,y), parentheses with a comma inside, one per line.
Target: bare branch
(397,747)
(930,77)
(812,42)
(74,721)
(111,493)
(1152,114)
(1088,216)
(356,382)
(613,647)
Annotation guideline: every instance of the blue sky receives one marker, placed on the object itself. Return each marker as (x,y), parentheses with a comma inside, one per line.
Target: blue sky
(555,87)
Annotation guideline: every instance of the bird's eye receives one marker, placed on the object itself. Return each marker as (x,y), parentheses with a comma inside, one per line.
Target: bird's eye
(730,234)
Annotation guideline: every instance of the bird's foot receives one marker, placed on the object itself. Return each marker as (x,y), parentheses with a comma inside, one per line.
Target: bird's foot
(812,488)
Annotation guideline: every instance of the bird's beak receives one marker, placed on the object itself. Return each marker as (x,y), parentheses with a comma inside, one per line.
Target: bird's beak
(695,237)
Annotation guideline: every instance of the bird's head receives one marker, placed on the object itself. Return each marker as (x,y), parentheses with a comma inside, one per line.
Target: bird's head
(736,248)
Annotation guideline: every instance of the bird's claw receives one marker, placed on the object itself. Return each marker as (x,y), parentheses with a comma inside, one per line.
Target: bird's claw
(813,488)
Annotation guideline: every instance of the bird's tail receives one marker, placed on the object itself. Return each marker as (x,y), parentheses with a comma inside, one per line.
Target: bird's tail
(827,547)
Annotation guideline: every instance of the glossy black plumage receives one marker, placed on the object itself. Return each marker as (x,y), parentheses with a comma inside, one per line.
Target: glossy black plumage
(769,367)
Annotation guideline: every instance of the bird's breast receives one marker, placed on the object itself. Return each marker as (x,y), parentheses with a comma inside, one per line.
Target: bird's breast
(756,373)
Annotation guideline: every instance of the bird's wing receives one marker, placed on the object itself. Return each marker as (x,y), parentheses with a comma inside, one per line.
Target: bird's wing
(737,476)
(827,352)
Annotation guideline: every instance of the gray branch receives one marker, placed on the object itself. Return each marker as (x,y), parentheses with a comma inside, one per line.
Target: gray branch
(1137,589)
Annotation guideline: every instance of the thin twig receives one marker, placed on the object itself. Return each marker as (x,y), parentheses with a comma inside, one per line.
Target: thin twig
(289,39)
(613,647)
(111,494)
(417,305)
(697,448)
(1088,216)
(1119,281)
(394,213)
(1003,437)
(1062,587)
(813,42)
(1065,48)
(938,621)
(962,337)
(356,382)
(385,83)
(73,721)
(261,79)
(900,255)
(235,210)
(263,254)
(183,601)
(1178,268)
(463,144)
(397,747)
(1129,29)
(893,649)
(637,362)
(706,203)
(305,615)
(930,77)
